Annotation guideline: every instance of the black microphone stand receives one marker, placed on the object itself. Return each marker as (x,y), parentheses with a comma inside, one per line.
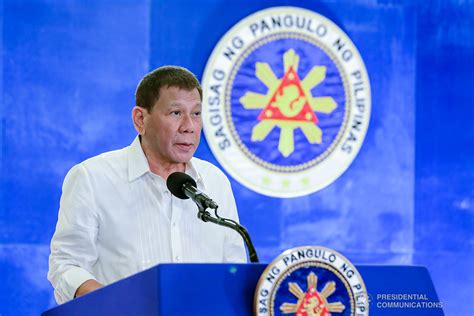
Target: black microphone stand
(205,216)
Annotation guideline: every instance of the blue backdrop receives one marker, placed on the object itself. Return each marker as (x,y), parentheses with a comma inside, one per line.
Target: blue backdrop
(68,75)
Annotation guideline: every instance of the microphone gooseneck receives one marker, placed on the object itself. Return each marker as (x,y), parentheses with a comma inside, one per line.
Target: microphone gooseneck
(183,186)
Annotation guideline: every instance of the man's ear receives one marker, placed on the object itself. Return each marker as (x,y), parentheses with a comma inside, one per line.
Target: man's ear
(138,117)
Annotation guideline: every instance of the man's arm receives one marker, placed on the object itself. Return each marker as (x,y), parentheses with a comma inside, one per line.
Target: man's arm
(73,246)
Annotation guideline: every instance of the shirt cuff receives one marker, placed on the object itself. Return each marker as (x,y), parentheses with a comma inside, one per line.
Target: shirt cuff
(70,282)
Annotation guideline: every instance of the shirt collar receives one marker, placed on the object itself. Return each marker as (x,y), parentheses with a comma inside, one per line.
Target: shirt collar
(138,164)
(194,173)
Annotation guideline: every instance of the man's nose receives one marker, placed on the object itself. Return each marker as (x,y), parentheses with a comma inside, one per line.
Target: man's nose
(187,124)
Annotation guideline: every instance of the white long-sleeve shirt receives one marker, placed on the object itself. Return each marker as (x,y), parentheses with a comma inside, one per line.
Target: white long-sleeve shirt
(117,218)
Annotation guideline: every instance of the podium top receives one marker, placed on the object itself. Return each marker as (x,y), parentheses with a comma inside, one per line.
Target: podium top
(228,289)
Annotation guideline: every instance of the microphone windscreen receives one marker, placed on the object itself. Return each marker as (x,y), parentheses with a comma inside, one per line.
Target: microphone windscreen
(175,183)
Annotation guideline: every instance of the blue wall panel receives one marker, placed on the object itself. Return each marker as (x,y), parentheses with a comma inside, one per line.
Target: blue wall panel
(69,71)
(444,200)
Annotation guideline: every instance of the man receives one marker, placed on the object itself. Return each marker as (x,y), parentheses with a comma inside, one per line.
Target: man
(116,215)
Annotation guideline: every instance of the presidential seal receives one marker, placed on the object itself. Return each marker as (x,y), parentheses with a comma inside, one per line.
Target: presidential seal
(311,281)
(286,101)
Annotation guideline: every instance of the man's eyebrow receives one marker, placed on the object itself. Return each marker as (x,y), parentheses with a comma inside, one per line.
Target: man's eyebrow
(175,105)
(179,105)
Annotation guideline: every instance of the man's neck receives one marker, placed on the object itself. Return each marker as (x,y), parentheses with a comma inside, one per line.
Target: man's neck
(164,169)
(160,167)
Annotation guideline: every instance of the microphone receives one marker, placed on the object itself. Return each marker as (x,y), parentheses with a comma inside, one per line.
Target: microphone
(183,186)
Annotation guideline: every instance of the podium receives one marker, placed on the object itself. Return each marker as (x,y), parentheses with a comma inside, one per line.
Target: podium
(228,289)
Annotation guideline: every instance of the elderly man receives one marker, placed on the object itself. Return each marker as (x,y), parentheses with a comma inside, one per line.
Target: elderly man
(116,215)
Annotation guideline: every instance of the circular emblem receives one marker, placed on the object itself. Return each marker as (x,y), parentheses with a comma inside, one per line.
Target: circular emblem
(309,281)
(286,101)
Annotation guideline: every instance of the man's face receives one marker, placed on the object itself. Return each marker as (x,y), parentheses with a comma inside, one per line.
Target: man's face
(173,127)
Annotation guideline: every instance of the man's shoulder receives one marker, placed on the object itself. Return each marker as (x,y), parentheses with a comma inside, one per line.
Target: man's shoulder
(110,161)
(204,165)
(206,168)
(113,156)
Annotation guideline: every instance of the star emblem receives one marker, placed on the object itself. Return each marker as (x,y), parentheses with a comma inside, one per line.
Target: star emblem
(288,103)
(312,302)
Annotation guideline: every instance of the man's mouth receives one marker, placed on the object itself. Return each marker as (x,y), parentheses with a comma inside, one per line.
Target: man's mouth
(185,146)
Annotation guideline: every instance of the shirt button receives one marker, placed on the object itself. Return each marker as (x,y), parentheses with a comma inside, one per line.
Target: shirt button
(174,224)
(178,258)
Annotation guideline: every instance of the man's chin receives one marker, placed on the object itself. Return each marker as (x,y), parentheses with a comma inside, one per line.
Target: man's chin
(184,158)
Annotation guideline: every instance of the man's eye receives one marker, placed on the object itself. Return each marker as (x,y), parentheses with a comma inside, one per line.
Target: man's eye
(176,113)
(198,113)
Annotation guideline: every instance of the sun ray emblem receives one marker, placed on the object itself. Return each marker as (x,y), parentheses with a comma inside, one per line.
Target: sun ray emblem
(288,103)
(312,303)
